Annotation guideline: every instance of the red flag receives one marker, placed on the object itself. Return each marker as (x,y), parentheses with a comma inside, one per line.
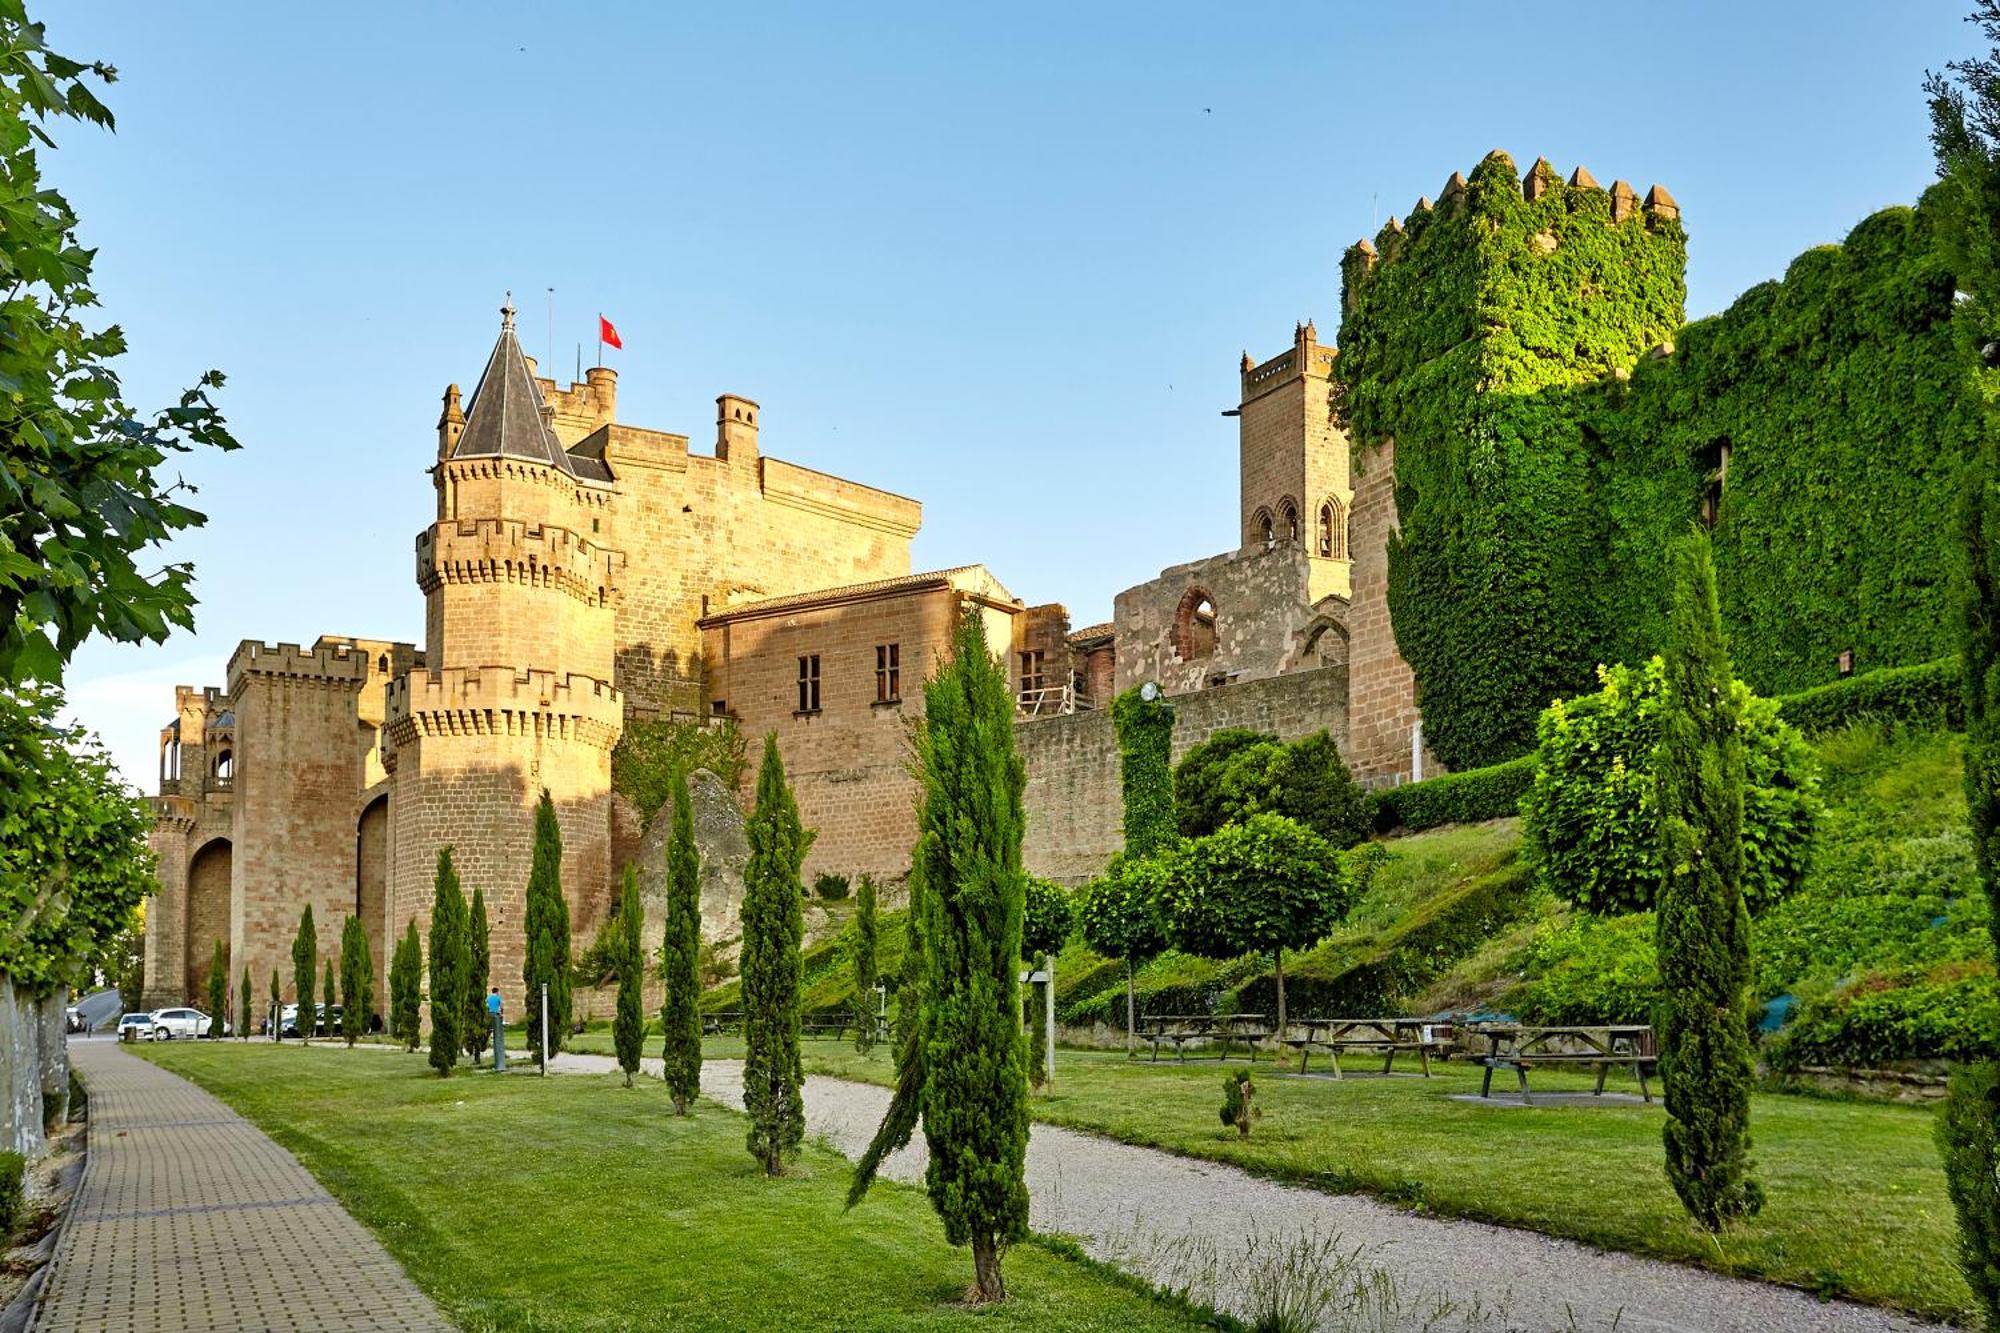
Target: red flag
(606,333)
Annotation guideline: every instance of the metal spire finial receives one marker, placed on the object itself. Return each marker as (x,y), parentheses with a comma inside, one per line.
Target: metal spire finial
(507,312)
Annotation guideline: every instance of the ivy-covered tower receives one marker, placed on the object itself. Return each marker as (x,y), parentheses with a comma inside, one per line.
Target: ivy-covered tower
(1474,336)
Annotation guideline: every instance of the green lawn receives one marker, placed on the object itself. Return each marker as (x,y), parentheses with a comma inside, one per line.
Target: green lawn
(576,1204)
(1856,1205)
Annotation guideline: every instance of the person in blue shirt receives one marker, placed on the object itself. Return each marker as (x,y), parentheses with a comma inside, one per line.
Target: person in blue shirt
(499,1030)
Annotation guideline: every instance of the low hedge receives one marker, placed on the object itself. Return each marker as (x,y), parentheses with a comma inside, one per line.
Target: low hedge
(1471,797)
(1931,695)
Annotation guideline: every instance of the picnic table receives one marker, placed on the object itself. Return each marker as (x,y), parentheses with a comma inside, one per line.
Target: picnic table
(1180,1029)
(1377,1036)
(1602,1047)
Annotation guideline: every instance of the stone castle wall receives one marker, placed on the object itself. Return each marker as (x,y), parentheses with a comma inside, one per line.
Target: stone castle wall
(1383,715)
(1074,801)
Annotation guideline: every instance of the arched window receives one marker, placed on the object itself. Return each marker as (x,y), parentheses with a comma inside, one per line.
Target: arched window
(1332,541)
(225,765)
(1261,527)
(1289,521)
(1194,625)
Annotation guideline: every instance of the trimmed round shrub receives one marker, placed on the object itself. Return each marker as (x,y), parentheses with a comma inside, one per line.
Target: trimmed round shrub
(1590,822)
(1049,918)
(1237,773)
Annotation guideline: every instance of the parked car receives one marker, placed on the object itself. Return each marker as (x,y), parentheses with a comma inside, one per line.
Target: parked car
(290,1019)
(171,1023)
(135,1027)
(72,1019)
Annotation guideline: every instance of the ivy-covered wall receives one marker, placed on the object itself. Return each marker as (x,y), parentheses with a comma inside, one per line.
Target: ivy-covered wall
(1842,395)
(1555,422)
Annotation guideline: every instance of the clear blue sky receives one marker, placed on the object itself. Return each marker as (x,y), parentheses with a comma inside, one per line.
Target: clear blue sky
(999,258)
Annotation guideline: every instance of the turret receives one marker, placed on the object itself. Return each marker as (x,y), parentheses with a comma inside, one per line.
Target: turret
(736,429)
(450,422)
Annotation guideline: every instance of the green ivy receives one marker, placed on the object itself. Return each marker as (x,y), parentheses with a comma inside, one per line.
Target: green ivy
(1543,459)
(650,753)
(1465,338)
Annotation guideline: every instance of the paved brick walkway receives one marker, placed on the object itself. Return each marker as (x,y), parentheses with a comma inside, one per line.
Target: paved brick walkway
(191,1219)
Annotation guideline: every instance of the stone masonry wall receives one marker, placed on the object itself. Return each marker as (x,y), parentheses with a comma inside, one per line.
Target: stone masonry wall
(1074,801)
(1383,712)
(848,763)
(1262,610)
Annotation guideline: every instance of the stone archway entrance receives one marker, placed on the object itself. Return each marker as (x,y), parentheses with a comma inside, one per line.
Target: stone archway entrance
(207,917)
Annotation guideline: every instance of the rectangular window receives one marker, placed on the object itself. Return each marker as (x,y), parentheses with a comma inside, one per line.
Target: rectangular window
(888,673)
(1032,679)
(809,684)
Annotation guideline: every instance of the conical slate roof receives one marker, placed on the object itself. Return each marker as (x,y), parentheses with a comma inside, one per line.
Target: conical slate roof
(506,412)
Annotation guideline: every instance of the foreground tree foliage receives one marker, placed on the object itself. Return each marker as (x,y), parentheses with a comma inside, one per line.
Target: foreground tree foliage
(1965,119)
(246,1005)
(476,1027)
(773,924)
(218,989)
(628,1026)
(326,999)
(963,1073)
(1264,885)
(406,989)
(450,964)
(305,967)
(277,1007)
(80,500)
(1704,925)
(864,951)
(357,980)
(547,960)
(1048,920)
(680,956)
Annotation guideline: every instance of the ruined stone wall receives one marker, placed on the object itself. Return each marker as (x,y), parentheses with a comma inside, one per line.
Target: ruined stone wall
(1294,460)
(298,773)
(1262,614)
(1075,808)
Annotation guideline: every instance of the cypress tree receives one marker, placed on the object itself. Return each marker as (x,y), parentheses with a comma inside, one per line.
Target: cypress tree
(628,1028)
(864,965)
(305,955)
(407,995)
(680,951)
(357,980)
(246,1004)
(773,924)
(965,1074)
(547,925)
(478,978)
(1965,113)
(1704,926)
(449,965)
(326,998)
(218,990)
(277,1007)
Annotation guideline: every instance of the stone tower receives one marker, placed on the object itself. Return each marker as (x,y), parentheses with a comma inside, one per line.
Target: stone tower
(1295,484)
(516,695)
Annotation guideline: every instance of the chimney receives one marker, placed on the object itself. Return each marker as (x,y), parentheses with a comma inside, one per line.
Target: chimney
(450,422)
(735,429)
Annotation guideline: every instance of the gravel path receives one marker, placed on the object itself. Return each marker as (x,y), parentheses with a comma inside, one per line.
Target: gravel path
(1133,1206)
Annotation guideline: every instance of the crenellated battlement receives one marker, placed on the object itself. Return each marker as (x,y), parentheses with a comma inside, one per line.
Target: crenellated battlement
(1539,183)
(1306,356)
(337,664)
(501,701)
(500,550)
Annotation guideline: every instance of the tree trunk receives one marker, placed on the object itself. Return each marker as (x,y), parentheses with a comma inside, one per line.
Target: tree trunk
(1131,1013)
(1281,998)
(628,1078)
(774,1160)
(988,1285)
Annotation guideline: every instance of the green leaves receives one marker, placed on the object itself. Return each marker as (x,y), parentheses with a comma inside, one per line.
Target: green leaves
(1258,886)
(1590,820)
(680,950)
(773,924)
(80,496)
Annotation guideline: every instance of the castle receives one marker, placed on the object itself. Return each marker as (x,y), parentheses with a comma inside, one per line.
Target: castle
(583,575)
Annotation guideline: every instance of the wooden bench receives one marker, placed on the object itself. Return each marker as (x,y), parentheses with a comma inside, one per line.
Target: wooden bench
(1180,1029)
(1614,1046)
(1386,1037)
